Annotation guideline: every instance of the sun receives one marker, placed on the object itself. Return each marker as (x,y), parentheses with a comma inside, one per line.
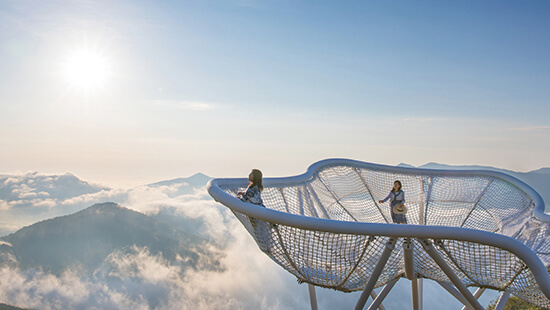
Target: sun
(86,70)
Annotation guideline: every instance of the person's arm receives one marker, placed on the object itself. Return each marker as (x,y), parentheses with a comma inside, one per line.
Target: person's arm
(385,199)
(253,195)
(241,194)
(245,195)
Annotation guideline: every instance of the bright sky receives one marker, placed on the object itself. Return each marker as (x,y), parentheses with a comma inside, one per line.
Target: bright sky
(130,92)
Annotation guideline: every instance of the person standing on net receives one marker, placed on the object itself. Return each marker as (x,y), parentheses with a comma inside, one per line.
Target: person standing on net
(397,200)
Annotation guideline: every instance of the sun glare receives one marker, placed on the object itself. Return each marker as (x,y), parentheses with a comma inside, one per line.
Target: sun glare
(86,70)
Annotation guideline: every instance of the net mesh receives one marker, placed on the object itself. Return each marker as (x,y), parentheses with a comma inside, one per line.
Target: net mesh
(345,262)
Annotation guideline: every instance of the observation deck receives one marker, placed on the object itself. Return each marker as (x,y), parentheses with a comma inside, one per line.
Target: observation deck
(465,229)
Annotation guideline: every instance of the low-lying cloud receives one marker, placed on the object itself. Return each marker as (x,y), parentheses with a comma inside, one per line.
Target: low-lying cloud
(137,279)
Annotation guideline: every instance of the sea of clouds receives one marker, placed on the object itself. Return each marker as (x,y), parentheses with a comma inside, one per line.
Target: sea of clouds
(138,279)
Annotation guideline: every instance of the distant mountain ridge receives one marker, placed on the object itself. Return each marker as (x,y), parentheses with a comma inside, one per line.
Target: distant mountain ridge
(8,307)
(433,165)
(184,186)
(539,179)
(542,171)
(196,180)
(83,240)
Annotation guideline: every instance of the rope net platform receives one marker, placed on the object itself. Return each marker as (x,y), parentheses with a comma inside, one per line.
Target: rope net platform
(465,229)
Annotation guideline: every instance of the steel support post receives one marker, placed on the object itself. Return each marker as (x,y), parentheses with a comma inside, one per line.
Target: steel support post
(377,303)
(502,301)
(416,284)
(409,258)
(375,274)
(373,295)
(440,261)
(477,294)
(312,296)
(416,291)
(453,291)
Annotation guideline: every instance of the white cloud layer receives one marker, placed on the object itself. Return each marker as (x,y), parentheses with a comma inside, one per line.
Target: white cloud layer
(245,279)
(186,105)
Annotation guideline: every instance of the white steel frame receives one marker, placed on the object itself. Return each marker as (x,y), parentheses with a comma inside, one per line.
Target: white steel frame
(425,235)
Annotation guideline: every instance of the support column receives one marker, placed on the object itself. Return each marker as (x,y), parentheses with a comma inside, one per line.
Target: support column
(377,303)
(417,293)
(408,252)
(375,274)
(453,291)
(502,301)
(434,254)
(312,296)
(374,296)
(416,284)
(477,294)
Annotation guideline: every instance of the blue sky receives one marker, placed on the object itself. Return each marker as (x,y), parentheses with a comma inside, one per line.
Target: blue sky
(224,86)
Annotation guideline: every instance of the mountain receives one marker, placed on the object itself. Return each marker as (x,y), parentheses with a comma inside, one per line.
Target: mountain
(541,171)
(83,240)
(433,165)
(196,180)
(8,307)
(405,165)
(184,186)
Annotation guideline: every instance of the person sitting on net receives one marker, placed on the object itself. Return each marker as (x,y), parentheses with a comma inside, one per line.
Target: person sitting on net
(262,230)
(396,197)
(254,189)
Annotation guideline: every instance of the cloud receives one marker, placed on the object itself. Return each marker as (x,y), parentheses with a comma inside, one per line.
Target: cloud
(38,290)
(47,203)
(22,189)
(4,205)
(138,279)
(31,197)
(198,209)
(425,119)
(139,263)
(186,105)
(242,277)
(85,200)
(531,129)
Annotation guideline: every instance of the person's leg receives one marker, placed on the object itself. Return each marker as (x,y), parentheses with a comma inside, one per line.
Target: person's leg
(401,218)
(394,218)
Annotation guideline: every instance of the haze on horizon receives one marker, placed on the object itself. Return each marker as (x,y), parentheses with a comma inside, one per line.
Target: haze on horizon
(127,93)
